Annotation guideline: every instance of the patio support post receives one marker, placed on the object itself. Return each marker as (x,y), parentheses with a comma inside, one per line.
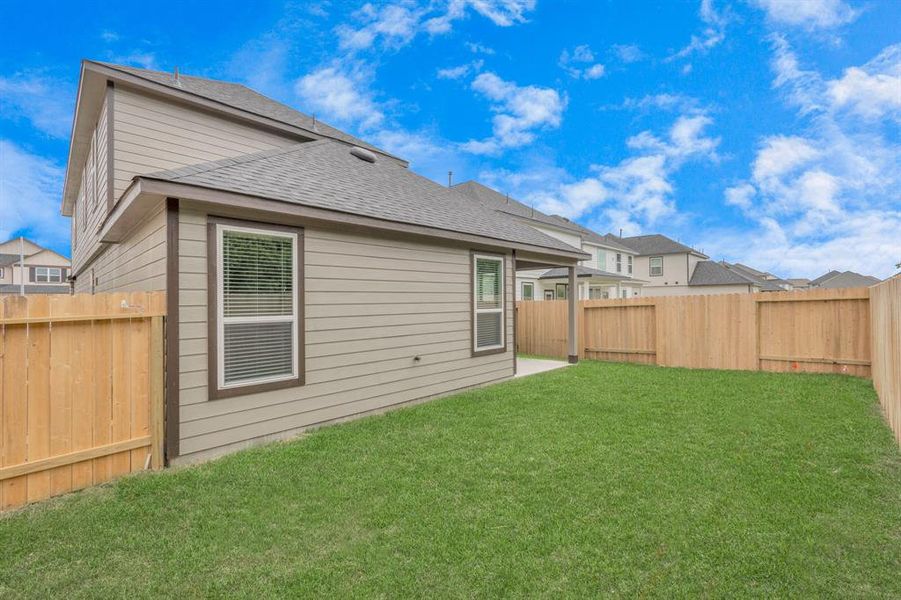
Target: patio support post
(572,341)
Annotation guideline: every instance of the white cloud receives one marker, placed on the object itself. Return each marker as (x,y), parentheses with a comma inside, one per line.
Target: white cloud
(520,111)
(30,188)
(873,90)
(628,53)
(808,14)
(479,48)
(828,196)
(574,63)
(713,34)
(39,99)
(340,96)
(635,194)
(460,71)
(395,24)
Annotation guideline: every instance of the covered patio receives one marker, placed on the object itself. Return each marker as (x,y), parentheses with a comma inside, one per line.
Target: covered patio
(593,284)
(528,261)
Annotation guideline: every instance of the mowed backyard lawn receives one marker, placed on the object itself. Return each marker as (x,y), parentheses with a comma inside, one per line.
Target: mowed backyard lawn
(598,479)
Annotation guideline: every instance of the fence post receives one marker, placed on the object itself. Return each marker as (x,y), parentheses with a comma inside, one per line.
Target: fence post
(156,392)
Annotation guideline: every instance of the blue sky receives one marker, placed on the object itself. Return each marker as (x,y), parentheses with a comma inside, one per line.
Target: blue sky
(762,131)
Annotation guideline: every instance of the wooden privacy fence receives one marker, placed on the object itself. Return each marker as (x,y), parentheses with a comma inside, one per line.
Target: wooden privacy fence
(817,330)
(856,331)
(81,391)
(885,319)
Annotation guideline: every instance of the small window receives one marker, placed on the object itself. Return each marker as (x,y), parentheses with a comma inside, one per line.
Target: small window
(619,262)
(548,294)
(256,287)
(602,260)
(624,293)
(656,266)
(596,293)
(629,264)
(1,273)
(528,290)
(561,289)
(48,275)
(488,303)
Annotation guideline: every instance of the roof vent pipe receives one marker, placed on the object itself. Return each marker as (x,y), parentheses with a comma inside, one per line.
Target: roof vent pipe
(176,73)
(450,179)
(363,154)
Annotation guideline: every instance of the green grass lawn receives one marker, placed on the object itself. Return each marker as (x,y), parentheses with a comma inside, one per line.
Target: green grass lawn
(598,479)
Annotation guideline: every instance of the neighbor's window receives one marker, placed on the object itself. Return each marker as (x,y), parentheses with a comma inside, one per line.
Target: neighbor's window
(629,258)
(602,260)
(656,266)
(548,294)
(488,303)
(257,306)
(48,275)
(1,273)
(528,290)
(561,290)
(596,293)
(619,262)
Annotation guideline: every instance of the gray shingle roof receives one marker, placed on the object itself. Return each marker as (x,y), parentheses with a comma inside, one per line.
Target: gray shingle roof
(824,277)
(848,279)
(324,174)
(584,272)
(765,285)
(8,259)
(13,288)
(709,272)
(655,243)
(243,98)
(505,204)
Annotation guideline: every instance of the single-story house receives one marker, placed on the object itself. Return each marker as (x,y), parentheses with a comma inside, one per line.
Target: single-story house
(310,277)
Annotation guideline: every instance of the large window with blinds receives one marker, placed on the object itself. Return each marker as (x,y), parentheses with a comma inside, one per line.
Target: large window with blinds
(487,303)
(258,308)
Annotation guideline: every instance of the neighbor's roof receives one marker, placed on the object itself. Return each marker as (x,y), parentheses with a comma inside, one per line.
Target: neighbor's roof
(561,272)
(506,204)
(243,98)
(13,288)
(324,174)
(710,272)
(8,259)
(848,279)
(766,285)
(824,277)
(656,244)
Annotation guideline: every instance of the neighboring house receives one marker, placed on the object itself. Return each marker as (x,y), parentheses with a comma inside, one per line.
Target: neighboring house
(42,270)
(799,283)
(767,281)
(310,277)
(607,274)
(843,279)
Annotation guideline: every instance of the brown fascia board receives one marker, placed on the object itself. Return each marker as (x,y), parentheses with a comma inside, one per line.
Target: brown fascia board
(145,193)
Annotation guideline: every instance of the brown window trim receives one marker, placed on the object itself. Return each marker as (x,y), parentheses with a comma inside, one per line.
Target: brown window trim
(213,315)
(472,304)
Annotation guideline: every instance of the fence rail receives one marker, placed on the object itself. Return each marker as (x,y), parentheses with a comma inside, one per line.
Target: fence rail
(81,394)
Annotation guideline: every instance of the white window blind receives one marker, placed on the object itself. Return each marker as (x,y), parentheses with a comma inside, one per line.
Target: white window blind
(655,266)
(630,265)
(488,302)
(48,275)
(257,306)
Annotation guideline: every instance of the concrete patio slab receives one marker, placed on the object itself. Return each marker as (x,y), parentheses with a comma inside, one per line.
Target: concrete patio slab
(531,366)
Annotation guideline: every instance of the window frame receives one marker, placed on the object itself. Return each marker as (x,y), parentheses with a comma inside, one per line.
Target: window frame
(531,288)
(565,291)
(548,295)
(602,259)
(216,325)
(46,275)
(474,255)
(651,266)
(629,264)
(619,262)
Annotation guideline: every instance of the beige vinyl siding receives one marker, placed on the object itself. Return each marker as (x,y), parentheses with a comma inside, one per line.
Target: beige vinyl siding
(137,264)
(91,203)
(372,304)
(152,134)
